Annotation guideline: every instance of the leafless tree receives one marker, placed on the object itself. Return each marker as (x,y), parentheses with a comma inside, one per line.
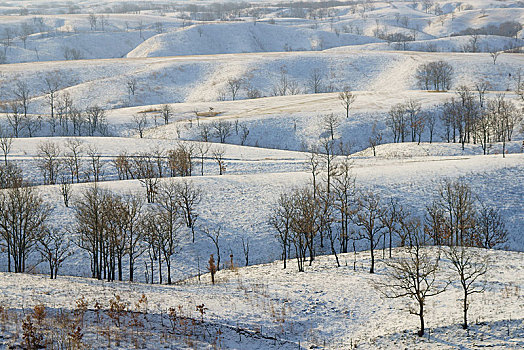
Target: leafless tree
(6,142)
(305,225)
(140,123)
(202,149)
(456,199)
(22,94)
(53,82)
(413,275)
(347,98)
(48,161)
(95,162)
(93,19)
(15,117)
(222,129)
(180,160)
(375,138)
(481,87)
(437,75)
(469,267)
(23,219)
(234,85)
(280,220)
(96,120)
(146,172)
(330,123)
(91,223)
(218,153)
(245,249)
(169,216)
(167,113)
(315,81)
(65,190)
(344,199)
(244,134)
(368,217)
(54,249)
(214,236)
(188,198)
(397,122)
(494,55)
(73,157)
(132,85)
(490,227)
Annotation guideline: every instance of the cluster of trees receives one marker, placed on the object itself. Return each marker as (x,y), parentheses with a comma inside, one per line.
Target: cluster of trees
(467,118)
(110,228)
(63,118)
(436,75)
(79,163)
(24,227)
(335,211)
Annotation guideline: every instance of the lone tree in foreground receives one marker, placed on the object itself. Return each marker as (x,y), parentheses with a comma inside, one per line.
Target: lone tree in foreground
(413,275)
(468,266)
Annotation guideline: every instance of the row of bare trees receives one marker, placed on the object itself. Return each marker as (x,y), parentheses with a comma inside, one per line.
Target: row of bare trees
(63,118)
(333,210)
(114,227)
(466,118)
(110,227)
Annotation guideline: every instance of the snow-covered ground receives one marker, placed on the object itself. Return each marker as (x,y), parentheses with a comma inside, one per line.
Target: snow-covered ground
(189,55)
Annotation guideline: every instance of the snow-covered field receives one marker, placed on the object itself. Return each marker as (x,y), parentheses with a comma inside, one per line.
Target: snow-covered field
(133,59)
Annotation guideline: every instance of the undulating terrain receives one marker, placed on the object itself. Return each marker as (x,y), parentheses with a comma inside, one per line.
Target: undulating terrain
(249,102)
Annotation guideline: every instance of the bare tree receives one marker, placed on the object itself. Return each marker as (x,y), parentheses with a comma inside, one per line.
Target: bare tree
(146,172)
(490,227)
(23,218)
(222,129)
(54,249)
(202,149)
(280,220)
(375,138)
(315,81)
(65,190)
(305,225)
(244,134)
(347,98)
(344,199)
(234,85)
(188,198)
(494,55)
(330,123)
(73,158)
(214,236)
(368,217)
(53,82)
(95,162)
(167,112)
(15,118)
(140,123)
(91,224)
(170,219)
(132,85)
(218,155)
(22,94)
(6,141)
(468,268)
(413,276)
(48,161)
(96,120)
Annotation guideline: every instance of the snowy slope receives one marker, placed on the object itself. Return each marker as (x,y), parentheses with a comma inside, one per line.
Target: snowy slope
(242,37)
